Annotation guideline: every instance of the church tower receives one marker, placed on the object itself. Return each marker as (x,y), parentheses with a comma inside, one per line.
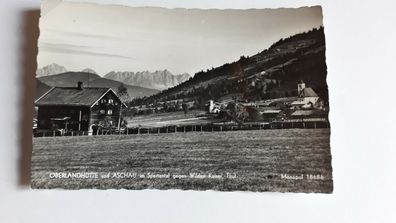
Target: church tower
(300,87)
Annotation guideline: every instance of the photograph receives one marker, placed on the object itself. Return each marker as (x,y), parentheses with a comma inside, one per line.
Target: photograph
(181,98)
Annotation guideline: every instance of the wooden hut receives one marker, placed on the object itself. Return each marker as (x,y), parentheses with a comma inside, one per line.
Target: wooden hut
(78,109)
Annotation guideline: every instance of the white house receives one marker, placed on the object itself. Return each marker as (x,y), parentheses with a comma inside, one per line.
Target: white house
(213,108)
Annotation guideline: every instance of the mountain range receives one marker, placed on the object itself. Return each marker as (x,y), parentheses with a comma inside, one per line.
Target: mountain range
(50,70)
(155,80)
(271,73)
(158,80)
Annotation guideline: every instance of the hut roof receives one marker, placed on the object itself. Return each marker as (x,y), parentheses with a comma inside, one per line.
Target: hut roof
(72,96)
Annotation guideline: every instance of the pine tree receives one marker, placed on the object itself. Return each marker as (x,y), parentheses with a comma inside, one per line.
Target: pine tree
(122,93)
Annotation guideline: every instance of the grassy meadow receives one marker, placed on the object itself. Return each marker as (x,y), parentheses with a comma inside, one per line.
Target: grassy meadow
(256,160)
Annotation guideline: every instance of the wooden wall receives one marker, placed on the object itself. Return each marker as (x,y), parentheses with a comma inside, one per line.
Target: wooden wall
(46,113)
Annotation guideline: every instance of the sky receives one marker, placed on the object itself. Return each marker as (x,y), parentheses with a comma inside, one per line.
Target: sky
(109,38)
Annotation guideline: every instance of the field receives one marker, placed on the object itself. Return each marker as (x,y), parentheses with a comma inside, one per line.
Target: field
(295,160)
(167,119)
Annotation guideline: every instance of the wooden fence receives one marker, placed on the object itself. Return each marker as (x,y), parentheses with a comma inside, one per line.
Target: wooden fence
(194,128)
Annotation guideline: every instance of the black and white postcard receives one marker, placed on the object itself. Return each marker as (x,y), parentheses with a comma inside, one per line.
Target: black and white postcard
(190,99)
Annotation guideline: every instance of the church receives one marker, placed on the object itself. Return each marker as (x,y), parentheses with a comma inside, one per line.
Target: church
(306,97)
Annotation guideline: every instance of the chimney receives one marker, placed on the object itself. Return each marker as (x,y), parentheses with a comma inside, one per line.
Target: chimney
(79,85)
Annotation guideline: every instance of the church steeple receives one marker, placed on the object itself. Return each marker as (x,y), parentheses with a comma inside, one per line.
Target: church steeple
(300,87)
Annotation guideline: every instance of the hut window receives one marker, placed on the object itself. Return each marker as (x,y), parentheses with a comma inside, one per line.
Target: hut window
(103,101)
(102,112)
(109,112)
(110,101)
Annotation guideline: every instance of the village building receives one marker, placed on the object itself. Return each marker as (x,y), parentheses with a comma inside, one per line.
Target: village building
(213,107)
(78,109)
(266,114)
(272,115)
(306,98)
(313,115)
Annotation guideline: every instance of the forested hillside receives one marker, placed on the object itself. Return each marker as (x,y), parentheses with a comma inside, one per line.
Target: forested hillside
(272,73)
